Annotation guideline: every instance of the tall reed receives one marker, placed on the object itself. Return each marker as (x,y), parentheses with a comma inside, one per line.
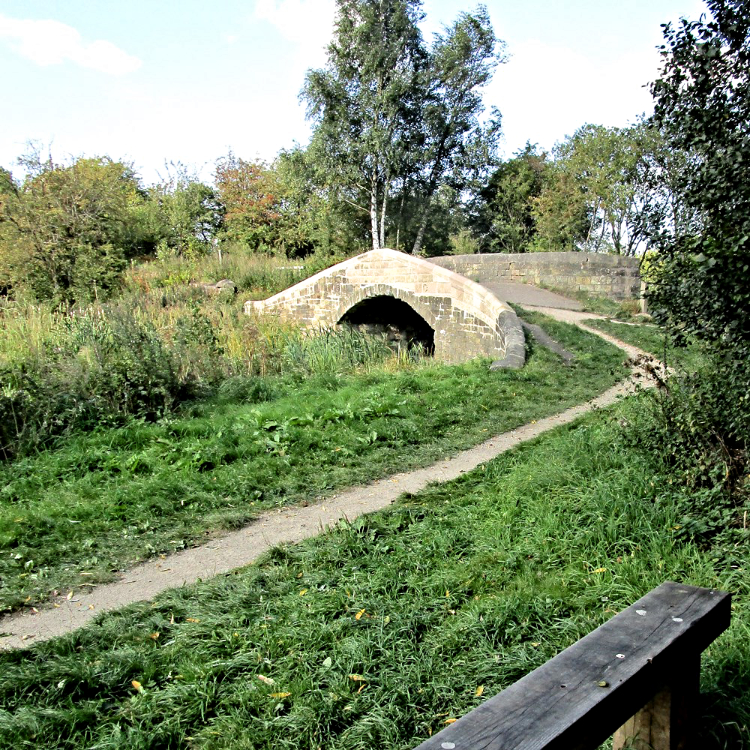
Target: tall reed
(147,353)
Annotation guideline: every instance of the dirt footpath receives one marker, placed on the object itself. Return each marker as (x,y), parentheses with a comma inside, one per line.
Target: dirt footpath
(286,525)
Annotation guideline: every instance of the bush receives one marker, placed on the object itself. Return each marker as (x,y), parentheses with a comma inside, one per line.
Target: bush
(698,273)
(67,231)
(696,430)
(703,430)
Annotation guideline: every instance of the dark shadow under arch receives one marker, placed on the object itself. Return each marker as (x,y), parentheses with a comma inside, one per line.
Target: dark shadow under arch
(394,318)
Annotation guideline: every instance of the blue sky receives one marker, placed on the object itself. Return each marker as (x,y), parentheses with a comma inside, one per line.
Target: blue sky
(160,80)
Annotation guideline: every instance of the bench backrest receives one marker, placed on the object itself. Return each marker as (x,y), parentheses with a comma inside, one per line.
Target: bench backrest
(651,650)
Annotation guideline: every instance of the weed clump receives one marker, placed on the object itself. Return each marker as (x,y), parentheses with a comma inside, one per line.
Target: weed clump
(697,432)
(328,351)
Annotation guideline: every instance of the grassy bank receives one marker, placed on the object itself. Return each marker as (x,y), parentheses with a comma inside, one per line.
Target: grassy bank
(108,499)
(380,632)
(650,338)
(653,339)
(163,342)
(626,309)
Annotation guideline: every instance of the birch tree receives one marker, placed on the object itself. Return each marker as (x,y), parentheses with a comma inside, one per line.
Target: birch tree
(394,118)
(366,101)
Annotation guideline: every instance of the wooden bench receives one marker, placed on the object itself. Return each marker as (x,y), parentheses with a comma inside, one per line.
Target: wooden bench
(636,676)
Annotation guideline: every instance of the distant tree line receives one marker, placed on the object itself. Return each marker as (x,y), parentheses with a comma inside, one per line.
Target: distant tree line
(67,231)
(590,194)
(402,155)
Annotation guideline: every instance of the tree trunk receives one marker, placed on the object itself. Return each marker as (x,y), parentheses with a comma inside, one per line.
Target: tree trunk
(601,235)
(592,222)
(617,236)
(422,227)
(382,214)
(400,215)
(432,186)
(374,214)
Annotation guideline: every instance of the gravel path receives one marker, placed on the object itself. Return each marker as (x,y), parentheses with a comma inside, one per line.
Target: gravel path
(286,525)
(528,294)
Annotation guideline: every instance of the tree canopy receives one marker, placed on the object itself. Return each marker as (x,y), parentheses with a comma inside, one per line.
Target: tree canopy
(505,219)
(595,194)
(394,119)
(67,231)
(185,213)
(702,105)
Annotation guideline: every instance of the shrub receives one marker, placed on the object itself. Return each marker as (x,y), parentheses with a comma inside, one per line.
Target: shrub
(698,275)
(696,434)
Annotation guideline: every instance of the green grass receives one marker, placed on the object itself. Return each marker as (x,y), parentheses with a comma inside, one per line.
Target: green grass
(653,340)
(379,631)
(106,500)
(594,303)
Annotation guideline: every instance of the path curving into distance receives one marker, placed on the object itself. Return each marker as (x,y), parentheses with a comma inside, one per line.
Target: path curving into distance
(289,525)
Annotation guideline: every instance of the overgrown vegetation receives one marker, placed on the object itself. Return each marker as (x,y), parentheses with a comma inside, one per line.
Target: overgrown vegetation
(692,413)
(381,631)
(102,501)
(161,343)
(693,425)
(699,288)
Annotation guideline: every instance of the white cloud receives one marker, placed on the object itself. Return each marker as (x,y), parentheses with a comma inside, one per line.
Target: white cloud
(306,23)
(48,42)
(546,92)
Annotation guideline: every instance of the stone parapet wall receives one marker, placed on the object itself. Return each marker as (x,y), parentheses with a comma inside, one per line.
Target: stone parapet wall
(612,276)
(468,320)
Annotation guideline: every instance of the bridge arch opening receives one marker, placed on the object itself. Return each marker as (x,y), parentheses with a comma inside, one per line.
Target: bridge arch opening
(394,318)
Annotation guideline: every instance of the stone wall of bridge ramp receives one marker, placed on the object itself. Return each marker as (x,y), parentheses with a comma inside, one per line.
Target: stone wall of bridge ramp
(613,276)
(467,320)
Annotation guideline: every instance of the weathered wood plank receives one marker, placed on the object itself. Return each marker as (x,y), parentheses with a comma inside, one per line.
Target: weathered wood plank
(664,723)
(579,698)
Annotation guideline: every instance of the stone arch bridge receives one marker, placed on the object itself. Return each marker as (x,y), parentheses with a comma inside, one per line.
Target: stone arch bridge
(411,300)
